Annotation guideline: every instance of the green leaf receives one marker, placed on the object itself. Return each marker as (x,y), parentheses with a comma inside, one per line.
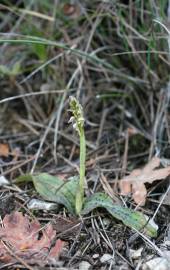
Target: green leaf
(129,217)
(56,190)
(13,71)
(23,178)
(40,50)
(4,70)
(16,69)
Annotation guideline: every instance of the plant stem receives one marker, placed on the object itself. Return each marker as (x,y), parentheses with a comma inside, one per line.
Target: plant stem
(80,190)
(78,123)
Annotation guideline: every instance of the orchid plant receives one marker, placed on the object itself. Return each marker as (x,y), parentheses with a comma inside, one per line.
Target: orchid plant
(78,124)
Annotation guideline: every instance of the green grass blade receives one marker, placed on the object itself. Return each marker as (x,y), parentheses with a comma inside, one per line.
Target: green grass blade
(89,57)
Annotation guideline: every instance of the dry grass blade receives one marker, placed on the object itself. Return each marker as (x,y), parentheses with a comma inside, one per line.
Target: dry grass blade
(107,188)
(113,57)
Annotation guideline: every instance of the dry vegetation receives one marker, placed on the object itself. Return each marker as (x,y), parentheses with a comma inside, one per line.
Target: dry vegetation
(114,58)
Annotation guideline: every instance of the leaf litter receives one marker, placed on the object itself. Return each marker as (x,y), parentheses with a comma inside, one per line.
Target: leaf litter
(135,182)
(25,239)
(143,87)
(4,149)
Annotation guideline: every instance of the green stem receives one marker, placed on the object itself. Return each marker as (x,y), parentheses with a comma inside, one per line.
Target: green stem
(80,190)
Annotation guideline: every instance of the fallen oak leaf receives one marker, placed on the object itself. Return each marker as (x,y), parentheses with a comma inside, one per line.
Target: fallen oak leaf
(4,149)
(135,182)
(28,241)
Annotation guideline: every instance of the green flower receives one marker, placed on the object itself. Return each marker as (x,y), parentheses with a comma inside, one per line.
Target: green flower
(77,119)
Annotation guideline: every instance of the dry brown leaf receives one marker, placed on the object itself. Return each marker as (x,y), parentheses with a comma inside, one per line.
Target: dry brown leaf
(4,149)
(132,131)
(135,181)
(71,10)
(28,241)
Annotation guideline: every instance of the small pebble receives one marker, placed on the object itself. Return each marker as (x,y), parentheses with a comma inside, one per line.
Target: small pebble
(158,263)
(95,256)
(3,181)
(135,254)
(106,258)
(84,265)
(41,205)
